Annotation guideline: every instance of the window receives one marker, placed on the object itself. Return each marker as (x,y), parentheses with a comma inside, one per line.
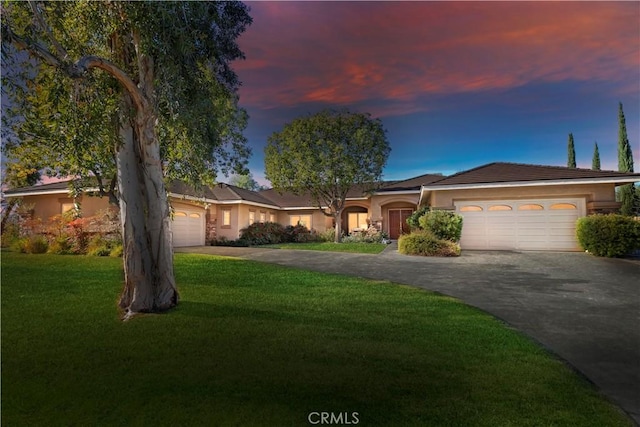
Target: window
(300,219)
(263,217)
(471,208)
(179,214)
(530,207)
(357,220)
(563,206)
(194,215)
(66,207)
(272,217)
(226,217)
(252,217)
(500,208)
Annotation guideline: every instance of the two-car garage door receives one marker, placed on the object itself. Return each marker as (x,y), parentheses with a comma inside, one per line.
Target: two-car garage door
(540,224)
(188,227)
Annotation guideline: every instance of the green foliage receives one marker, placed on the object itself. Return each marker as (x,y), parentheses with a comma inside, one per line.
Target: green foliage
(609,235)
(443,224)
(571,152)
(426,243)
(327,235)
(62,245)
(263,233)
(628,197)
(36,244)
(246,181)
(116,251)
(19,245)
(70,126)
(625,154)
(100,246)
(327,154)
(298,234)
(595,162)
(413,220)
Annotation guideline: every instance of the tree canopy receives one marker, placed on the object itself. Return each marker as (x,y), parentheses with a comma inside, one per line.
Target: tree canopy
(139,91)
(68,126)
(325,155)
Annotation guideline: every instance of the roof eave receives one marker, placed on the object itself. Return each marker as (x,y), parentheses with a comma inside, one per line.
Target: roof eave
(538,183)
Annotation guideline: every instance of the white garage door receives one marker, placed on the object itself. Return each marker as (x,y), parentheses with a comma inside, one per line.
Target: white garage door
(188,228)
(540,224)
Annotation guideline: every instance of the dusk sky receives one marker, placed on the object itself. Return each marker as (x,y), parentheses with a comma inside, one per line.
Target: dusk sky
(456,84)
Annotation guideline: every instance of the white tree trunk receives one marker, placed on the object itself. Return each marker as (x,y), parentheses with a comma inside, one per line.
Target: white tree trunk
(146,224)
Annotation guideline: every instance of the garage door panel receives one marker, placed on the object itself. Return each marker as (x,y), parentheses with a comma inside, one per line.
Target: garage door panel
(543,224)
(188,228)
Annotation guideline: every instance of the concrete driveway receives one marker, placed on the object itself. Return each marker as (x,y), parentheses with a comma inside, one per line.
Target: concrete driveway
(584,309)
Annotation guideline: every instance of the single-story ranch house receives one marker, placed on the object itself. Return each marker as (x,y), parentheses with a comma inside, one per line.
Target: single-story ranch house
(505,205)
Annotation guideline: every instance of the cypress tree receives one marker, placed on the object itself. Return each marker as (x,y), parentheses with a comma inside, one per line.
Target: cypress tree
(571,162)
(626,193)
(595,163)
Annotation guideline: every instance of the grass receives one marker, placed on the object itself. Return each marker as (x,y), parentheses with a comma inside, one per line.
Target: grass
(362,248)
(261,345)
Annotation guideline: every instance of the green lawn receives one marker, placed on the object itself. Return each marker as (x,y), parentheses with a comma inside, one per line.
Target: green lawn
(363,248)
(258,345)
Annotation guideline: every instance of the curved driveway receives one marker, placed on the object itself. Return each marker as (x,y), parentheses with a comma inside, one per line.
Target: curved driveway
(584,309)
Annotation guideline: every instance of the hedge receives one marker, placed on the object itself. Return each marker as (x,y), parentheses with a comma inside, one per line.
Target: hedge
(609,235)
(426,243)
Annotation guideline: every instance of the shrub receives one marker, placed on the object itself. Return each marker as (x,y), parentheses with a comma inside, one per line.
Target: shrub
(61,245)
(99,246)
(223,241)
(609,235)
(298,234)
(116,251)
(427,244)
(413,220)
(443,224)
(19,245)
(370,235)
(329,235)
(36,244)
(262,233)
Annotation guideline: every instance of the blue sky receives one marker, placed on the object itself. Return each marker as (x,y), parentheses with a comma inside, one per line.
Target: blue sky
(456,84)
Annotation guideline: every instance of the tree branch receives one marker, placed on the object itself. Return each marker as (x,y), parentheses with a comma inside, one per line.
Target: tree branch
(81,67)
(45,28)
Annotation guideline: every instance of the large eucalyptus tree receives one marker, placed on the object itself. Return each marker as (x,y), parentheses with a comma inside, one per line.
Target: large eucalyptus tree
(130,93)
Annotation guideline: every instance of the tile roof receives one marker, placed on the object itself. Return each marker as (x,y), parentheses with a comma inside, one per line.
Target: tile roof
(411,183)
(518,172)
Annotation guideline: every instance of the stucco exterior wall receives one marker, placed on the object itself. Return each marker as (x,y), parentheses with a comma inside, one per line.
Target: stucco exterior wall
(46,206)
(592,193)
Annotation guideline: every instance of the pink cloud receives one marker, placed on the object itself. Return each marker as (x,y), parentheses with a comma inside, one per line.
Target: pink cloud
(344,53)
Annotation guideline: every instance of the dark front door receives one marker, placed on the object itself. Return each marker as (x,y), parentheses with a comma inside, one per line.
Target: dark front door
(398,222)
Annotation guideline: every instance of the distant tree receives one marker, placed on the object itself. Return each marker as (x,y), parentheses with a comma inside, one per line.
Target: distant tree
(134,91)
(595,162)
(325,155)
(626,193)
(246,181)
(15,176)
(571,152)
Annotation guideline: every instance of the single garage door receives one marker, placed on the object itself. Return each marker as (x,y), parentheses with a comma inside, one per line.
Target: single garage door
(540,224)
(188,228)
